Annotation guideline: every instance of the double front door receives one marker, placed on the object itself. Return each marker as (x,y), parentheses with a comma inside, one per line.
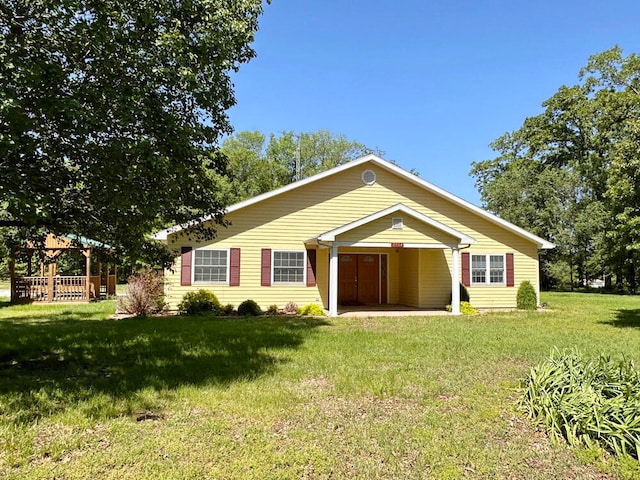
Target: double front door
(359,279)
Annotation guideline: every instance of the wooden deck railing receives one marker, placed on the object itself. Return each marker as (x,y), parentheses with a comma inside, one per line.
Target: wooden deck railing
(31,288)
(62,289)
(69,289)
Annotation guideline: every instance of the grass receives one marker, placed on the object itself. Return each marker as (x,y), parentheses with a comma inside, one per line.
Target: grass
(85,396)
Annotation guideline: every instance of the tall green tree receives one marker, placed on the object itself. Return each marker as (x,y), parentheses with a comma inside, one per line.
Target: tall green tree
(256,166)
(571,173)
(304,154)
(111,110)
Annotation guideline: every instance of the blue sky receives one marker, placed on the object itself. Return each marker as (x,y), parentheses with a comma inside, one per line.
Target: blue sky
(430,83)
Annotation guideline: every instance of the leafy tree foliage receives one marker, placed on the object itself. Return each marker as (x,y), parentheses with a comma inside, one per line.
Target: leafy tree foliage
(571,174)
(256,166)
(111,110)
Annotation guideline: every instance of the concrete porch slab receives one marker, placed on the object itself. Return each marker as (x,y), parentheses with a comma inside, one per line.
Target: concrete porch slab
(387,311)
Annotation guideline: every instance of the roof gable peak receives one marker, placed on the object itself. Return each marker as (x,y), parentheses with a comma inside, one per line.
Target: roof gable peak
(391,167)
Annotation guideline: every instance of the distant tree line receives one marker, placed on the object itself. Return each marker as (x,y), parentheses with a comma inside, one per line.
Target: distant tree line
(572,175)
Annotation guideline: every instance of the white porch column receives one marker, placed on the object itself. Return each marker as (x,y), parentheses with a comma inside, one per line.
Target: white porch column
(455,281)
(333,281)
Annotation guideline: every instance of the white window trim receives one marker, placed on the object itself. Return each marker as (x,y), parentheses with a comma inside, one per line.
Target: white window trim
(397,223)
(304,267)
(193,266)
(487,275)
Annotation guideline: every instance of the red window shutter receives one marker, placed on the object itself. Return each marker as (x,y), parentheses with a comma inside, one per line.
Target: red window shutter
(510,275)
(234,267)
(466,270)
(186,254)
(265,277)
(311,268)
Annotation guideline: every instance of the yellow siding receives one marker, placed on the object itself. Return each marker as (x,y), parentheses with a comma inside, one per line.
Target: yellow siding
(413,231)
(250,283)
(409,277)
(286,221)
(435,278)
(525,268)
(394,277)
(322,277)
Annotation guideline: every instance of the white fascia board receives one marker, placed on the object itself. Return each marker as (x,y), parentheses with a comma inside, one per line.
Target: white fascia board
(330,236)
(541,242)
(163,234)
(303,182)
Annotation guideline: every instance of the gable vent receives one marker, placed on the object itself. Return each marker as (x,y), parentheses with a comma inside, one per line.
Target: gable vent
(396,223)
(368,177)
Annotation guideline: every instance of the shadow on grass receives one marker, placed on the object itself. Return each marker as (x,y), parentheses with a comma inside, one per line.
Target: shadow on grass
(625,318)
(65,358)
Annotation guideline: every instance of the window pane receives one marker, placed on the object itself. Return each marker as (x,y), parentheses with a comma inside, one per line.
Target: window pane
(478,269)
(478,261)
(496,269)
(496,261)
(478,276)
(288,267)
(210,266)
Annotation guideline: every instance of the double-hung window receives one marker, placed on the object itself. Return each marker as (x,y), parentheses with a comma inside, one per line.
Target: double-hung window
(288,267)
(488,269)
(211,266)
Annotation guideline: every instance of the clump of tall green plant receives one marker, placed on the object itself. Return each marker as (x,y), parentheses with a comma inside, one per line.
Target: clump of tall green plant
(313,310)
(200,301)
(586,401)
(249,308)
(526,298)
(465,308)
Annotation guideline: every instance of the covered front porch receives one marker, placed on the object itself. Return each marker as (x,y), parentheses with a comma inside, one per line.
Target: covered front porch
(395,260)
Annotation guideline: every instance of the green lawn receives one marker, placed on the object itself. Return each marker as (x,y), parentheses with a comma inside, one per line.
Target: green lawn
(84,396)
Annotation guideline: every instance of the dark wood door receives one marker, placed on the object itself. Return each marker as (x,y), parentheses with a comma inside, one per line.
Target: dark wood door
(358,279)
(347,278)
(368,278)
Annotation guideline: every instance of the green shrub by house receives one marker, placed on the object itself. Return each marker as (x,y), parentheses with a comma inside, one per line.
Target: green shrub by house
(249,308)
(465,308)
(199,301)
(313,310)
(526,297)
(228,309)
(586,401)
